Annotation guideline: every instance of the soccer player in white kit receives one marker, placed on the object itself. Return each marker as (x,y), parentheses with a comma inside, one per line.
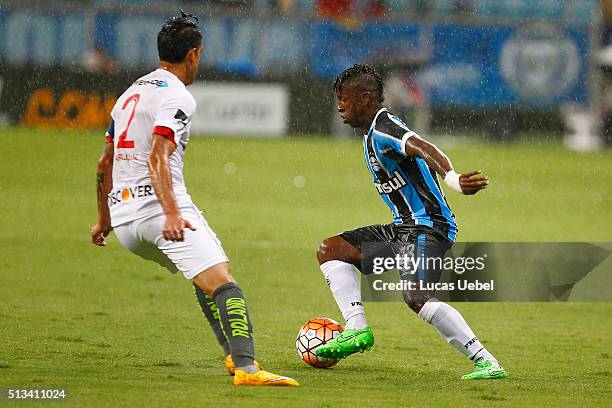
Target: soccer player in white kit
(143,197)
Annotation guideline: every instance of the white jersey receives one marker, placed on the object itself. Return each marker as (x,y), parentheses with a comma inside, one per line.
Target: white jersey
(156,103)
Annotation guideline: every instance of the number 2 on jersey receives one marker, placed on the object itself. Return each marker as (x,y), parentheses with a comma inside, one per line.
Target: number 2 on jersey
(122,143)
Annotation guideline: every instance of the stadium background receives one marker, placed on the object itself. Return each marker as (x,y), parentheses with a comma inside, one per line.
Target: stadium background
(512,87)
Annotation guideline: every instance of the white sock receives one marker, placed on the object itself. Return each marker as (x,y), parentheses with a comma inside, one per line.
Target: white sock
(451,325)
(343,281)
(356,322)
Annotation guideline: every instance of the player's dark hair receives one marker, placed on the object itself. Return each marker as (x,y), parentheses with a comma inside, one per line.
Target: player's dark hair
(362,72)
(177,37)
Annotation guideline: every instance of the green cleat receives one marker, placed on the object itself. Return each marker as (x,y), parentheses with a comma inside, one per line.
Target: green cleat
(347,343)
(484,370)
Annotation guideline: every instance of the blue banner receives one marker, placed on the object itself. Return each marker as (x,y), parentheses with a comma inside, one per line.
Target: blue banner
(536,64)
(232,45)
(335,48)
(42,38)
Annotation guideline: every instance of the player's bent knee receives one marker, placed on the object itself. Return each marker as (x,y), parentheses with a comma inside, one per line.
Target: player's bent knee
(325,251)
(415,299)
(214,277)
(337,249)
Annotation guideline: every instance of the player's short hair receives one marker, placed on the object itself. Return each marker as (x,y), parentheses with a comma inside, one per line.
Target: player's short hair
(365,77)
(177,37)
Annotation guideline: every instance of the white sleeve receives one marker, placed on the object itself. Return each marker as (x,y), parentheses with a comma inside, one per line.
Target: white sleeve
(174,116)
(405,138)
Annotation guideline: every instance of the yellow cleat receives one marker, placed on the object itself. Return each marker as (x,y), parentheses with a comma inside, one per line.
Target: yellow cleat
(262,377)
(231,367)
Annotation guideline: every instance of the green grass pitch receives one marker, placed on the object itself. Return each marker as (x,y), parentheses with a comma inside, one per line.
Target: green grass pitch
(118,331)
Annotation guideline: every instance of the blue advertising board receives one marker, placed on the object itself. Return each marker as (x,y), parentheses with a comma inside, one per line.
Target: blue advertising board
(538,65)
(335,48)
(235,45)
(42,38)
(467,65)
(534,64)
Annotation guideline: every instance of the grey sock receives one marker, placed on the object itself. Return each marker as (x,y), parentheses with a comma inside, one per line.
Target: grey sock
(210,310)
(250,369)
(234,316)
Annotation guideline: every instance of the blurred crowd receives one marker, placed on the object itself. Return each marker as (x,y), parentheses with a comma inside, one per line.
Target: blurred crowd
(574,9)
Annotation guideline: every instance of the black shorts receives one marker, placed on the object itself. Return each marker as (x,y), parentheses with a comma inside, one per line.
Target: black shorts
(386,241)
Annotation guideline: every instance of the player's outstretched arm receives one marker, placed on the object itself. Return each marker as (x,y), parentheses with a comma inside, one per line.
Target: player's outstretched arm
(104,182)
(466,183)
(161,179)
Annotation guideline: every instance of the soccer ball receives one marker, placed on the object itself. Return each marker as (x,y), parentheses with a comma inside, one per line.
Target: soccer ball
(314,334)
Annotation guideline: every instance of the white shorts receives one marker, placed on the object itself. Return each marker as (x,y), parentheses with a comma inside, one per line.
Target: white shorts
(200,249)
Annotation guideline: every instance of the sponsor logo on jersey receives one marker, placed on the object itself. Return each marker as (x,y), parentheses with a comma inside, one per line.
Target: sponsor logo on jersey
(157,82)
(396,183)
(374,163)
(130,193)
(126,156)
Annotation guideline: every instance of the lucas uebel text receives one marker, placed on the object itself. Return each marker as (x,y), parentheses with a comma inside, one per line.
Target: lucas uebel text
(462,284)
(409,264)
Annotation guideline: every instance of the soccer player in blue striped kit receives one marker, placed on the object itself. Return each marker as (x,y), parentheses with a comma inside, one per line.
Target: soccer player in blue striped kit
(404,168)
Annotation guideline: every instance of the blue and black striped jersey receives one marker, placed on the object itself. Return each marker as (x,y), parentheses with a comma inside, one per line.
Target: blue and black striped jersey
(405,183)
